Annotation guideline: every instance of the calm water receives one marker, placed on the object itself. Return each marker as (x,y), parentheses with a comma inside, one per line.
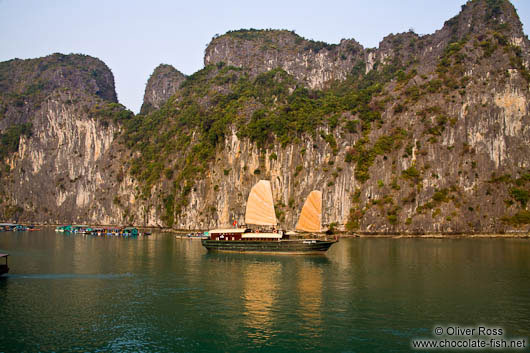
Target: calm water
(81,293)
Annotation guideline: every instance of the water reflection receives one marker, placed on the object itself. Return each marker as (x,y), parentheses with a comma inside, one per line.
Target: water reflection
(261,289)
(264,258)
(310,294)
(266,285)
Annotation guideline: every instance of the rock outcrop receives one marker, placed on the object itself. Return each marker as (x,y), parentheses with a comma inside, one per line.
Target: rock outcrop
(162,84)
(313,63)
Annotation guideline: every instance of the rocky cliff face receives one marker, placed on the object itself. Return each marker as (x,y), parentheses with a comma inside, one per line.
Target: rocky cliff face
(24,84)
(162,84)
(447,124)
(310,62)
(423,134)
(59,171)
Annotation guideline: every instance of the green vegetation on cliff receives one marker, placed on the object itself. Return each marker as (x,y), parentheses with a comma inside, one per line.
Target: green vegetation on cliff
(271,36)
(29,82)
(179,141)
(269,108)
(9,140)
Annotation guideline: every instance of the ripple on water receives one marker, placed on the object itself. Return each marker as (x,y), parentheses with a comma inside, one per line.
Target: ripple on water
(70,276)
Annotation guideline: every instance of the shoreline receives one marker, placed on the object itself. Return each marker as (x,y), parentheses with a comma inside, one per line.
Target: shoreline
(521,235)
(439,235)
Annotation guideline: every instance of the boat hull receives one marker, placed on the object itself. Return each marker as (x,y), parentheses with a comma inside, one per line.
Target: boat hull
(311,246)
(3,269)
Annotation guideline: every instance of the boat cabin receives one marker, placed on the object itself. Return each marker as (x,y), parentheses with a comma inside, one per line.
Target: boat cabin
(243,234)
(3,267)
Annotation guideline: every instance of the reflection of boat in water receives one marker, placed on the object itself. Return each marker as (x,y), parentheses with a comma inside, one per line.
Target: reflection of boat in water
(266,238)
(260,292)
(232,257)
(3,267)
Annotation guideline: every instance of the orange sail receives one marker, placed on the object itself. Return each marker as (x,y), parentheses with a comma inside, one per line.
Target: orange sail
(311,217)
(260,206)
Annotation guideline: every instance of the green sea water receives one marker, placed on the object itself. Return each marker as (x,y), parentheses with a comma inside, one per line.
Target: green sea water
(163,294)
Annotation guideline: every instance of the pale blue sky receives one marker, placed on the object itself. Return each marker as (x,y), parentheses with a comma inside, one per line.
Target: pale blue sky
(132,37)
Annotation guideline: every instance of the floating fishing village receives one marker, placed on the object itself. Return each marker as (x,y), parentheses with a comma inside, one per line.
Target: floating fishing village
(78,229)
(110,231)
(13,227)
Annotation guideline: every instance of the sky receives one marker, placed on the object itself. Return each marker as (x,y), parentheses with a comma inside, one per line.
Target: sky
(133,37)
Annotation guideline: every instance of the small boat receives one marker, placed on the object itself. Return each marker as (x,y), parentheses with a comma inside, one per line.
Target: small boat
(198,235)
(7,227)
(81,229)
(64,229)
(129,232)
(12,227)
(3,267)
(267,239)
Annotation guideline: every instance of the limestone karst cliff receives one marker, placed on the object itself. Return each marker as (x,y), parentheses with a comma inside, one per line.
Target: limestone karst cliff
(312,63)
(59,120)
(422,134)
(163,83)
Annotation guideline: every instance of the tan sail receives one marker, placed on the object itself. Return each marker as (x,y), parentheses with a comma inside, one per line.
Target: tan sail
(311,216)
(260,206)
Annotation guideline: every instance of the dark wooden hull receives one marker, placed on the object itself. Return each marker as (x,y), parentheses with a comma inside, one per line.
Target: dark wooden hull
(3,269)
(298,246)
